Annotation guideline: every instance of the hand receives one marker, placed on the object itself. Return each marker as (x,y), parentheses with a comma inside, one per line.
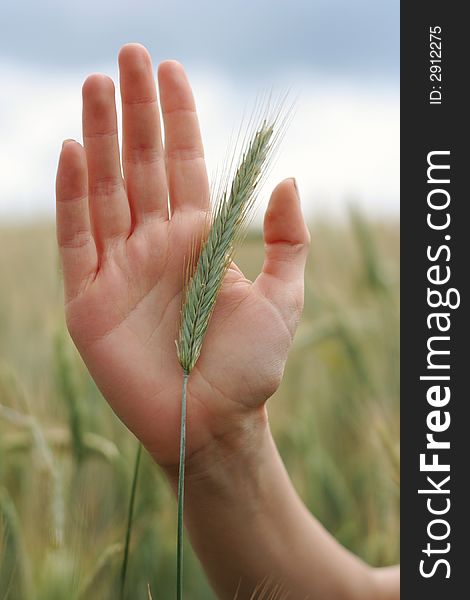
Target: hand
(123,261)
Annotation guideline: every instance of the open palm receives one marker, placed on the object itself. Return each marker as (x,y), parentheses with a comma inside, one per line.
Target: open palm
(123,261)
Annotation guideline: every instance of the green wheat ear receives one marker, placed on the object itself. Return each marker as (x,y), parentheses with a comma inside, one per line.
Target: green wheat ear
(234,204)
(232,213)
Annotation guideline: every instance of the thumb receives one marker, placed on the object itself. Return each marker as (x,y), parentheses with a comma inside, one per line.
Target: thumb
(287,242)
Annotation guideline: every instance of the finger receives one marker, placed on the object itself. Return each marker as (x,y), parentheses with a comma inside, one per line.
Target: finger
(76,244)
(287,242)
(143,156)
(186,170)
(109,207)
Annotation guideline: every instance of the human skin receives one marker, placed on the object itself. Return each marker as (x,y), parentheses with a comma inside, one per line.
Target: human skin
(123,258)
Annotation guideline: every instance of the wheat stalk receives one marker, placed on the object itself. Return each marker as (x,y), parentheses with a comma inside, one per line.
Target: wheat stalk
(130,515)
(233,210)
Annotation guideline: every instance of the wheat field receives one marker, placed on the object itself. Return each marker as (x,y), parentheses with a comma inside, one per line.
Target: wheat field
(66,461)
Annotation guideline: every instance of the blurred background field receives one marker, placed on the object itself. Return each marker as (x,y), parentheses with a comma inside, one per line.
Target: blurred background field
(66,461)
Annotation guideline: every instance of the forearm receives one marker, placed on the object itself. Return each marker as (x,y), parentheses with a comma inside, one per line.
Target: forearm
(248,526)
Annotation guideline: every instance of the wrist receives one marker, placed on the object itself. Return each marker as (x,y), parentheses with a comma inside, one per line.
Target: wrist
(224,455)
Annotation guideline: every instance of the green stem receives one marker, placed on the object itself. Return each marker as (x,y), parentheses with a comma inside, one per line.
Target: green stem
(179,544)
(129,520)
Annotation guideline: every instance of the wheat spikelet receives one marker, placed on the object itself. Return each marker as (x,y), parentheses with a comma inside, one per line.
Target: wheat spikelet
(68,390)
(48,462)
(231,216)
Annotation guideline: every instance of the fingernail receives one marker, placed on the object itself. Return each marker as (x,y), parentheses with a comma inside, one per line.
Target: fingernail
(67,141)
(294,181)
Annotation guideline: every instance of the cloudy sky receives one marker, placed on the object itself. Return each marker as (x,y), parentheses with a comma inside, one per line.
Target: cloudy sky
(339,57)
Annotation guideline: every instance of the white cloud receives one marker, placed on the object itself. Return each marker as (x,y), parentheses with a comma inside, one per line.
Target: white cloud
(343,143)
